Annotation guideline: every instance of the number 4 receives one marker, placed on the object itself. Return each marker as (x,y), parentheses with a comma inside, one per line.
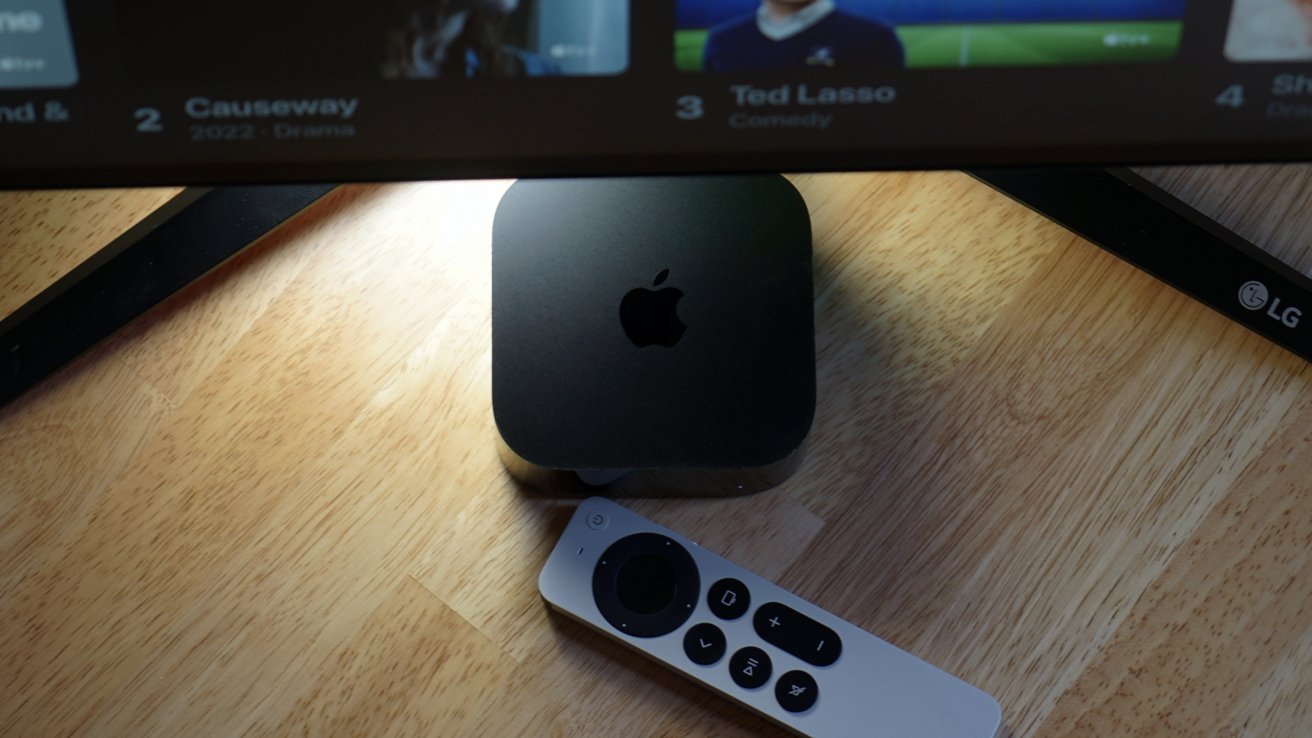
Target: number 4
(1231,97)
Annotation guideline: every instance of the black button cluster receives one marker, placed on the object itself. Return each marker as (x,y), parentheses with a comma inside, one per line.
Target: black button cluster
(782,626)
(646,585)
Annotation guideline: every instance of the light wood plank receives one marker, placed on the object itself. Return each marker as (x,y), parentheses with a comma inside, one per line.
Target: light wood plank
(274,505)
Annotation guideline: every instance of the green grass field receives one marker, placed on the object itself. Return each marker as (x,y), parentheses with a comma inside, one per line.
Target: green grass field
(1008,44)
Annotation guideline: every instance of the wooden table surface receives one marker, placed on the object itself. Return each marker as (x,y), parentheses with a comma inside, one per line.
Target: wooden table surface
(274,506)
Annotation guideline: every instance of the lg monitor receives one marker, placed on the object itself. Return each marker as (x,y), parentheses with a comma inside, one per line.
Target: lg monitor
(146,92)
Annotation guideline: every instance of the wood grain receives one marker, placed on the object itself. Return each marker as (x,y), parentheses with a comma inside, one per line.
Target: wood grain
(273,505)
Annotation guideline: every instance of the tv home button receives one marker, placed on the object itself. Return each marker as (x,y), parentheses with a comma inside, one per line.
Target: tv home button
(728,599)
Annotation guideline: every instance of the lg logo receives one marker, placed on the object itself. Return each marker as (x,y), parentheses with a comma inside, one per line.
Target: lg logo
(21,21)
(1254,295)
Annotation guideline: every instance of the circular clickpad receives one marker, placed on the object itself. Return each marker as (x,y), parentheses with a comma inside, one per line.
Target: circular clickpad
(646,585)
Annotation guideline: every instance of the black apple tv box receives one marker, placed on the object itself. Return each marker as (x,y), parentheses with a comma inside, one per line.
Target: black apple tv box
(653,335)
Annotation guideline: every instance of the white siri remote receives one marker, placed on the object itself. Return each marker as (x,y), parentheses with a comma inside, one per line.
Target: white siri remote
(747,638)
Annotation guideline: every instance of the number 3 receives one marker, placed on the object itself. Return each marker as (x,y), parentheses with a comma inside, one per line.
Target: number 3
(690,108)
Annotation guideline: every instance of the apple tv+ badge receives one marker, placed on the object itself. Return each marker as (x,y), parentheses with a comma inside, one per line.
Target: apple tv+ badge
(36,49)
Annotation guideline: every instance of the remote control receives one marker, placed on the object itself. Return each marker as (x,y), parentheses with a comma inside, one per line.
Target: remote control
(747,638)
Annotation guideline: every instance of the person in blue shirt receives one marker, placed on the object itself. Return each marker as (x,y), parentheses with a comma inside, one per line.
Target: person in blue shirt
(789,35)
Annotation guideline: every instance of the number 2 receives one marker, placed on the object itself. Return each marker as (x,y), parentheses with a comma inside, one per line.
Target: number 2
(148,120)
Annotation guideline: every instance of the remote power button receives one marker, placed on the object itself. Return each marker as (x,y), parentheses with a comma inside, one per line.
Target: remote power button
(598,520)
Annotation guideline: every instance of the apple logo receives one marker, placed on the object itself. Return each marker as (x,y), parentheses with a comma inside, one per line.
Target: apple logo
(652,316)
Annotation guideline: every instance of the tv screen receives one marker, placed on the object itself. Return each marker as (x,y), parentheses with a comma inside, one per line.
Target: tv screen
(110,92)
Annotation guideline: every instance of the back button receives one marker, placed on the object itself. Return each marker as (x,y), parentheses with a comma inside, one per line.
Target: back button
(704,644)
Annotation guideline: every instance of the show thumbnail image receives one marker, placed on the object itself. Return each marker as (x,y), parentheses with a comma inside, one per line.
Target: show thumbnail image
(1270,30)
(259,40)
(508,38)
(36,49)
(786,35)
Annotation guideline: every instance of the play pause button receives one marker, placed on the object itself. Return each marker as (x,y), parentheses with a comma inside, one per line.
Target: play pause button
(750,667)
(704,644)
